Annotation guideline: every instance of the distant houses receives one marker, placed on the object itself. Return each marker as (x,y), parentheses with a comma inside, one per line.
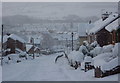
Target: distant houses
(106,30)
(30,49)
(13,44)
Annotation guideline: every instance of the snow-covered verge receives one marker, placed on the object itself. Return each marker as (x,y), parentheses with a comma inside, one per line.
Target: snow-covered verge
(108,59)
(44,69)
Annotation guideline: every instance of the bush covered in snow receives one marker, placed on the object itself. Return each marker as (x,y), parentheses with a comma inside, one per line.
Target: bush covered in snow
(86,43)
(96,51)
(83,49)
(94,44)
(11,58)
(76,56)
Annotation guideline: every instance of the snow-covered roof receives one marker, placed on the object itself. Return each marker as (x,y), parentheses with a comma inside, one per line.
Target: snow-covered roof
(36,48)
(110,65)
(20,51)
(37,38)
(17,49)
(28,47)
(101,59)
(5,37)
(112,26)
(98,25)
(13,36)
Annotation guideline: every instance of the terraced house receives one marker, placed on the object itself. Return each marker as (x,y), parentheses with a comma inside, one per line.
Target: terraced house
(13,44)
(106,30)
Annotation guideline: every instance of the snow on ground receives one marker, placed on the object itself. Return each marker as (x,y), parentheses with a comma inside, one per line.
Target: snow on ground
(45,69)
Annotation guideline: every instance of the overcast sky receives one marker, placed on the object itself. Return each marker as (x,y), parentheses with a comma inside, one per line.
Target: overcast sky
(57,9)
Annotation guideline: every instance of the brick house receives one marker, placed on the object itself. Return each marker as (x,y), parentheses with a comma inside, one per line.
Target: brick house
(104,30)
(11,43)
(32,49)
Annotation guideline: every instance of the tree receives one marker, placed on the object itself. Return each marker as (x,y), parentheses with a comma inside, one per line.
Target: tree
(47,42)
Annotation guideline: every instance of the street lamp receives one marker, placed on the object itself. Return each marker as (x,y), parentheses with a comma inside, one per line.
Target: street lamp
(32,41)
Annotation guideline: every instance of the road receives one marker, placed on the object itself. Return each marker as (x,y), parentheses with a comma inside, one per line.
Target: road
(44,68)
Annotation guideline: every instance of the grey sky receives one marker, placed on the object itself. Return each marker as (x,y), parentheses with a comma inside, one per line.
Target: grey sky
(57,10)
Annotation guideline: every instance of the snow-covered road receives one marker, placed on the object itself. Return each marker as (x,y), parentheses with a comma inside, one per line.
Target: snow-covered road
(45,69)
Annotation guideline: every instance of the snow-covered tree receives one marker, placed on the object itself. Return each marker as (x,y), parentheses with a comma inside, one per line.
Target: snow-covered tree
(47,42)
(84,48)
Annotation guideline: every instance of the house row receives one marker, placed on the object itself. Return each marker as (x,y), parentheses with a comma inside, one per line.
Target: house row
(106,30)
(13,44)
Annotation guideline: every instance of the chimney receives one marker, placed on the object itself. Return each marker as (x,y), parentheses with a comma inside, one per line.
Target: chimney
(105,16)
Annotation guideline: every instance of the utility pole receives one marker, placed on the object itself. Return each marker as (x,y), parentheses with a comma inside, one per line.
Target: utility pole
(2,44)
(72,41)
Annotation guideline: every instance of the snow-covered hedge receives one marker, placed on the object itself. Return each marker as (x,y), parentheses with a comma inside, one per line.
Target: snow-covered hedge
(96,51)
(76,56)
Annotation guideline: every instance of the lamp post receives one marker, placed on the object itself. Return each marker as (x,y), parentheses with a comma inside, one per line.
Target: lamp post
(72,41)
(33,47)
